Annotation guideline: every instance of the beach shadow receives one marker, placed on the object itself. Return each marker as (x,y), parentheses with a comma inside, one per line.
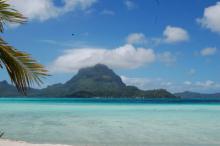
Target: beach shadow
(1,134)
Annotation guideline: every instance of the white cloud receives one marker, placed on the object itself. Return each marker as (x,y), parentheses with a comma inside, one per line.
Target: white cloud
(127,57)
(136,38)
(158,83)
(171,35)
(108,12)
(211,18)
(139,82)
(130,4)
(201,86)
(36,9)
(146,83)
(45,9)
(187,83)
(152,83)
(208,51)
(175,34)
(192,72)
(206,84)
(167,57)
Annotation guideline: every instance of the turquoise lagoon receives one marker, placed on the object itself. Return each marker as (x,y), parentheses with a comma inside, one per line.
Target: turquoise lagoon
(111,122)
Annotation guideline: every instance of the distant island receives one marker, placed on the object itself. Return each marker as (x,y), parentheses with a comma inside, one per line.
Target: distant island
(95,81)
(189,94)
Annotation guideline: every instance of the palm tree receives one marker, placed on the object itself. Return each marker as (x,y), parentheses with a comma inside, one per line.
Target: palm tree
(22,69)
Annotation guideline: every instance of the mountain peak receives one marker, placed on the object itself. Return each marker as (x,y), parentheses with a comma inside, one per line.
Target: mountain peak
(97,68)
(99,65)
(96,74)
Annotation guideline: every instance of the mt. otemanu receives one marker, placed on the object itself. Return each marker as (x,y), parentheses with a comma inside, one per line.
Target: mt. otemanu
(96,81)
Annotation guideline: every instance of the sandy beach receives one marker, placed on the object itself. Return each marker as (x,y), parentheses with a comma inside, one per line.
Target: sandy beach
(5,142)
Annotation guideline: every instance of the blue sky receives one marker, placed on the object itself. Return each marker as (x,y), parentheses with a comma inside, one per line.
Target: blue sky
(170,44)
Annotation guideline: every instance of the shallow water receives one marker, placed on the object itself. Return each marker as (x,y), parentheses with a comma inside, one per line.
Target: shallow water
(112,122)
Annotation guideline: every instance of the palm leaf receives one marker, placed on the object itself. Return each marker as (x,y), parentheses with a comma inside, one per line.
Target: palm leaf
(8,14)
(22,69)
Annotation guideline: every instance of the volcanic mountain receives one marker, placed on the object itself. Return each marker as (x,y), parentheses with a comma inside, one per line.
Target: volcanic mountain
(95,81)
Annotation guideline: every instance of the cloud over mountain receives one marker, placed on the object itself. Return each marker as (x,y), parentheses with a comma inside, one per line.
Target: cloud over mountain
(126,57)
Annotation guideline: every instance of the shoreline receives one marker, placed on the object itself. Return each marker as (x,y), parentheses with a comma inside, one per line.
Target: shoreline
(7,142)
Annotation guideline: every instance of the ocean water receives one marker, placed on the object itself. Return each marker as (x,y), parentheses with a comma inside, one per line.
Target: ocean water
(112,122)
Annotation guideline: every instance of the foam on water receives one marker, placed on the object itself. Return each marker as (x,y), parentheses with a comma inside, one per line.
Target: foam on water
(86,122)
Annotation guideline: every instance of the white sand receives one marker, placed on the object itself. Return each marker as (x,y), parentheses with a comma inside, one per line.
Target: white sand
(5,142)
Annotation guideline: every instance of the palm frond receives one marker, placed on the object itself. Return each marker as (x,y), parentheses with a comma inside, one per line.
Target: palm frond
(22,69)
(8,14)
